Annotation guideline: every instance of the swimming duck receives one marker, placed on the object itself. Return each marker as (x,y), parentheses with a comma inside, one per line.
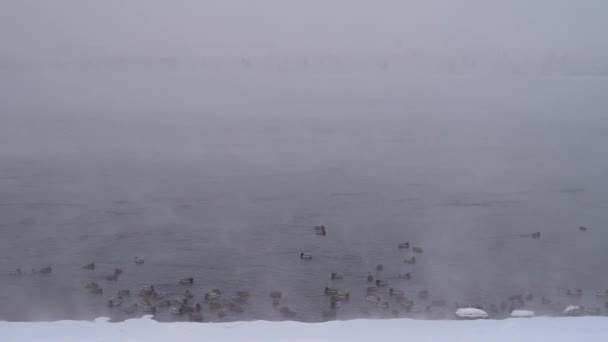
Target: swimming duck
(305,256)
(287,312)
(337,275)
(424,294)
(276,302)
(138,260)
(404,245)
(163,303)
(186,281)
(582,228)
(91,285)
(416,309)
(410,260)
(16,272)
(330,291)
(405,276)
(342,296)
(373,299)
(601,293)
(90,266)
(529,297)
(45,270)
(188,294)
(159,295)
(123,293)
(335,304)
(213,294)
(147,308)
(131,309)
(319,227)
(176,310)
(417,250)
(221,313)
(574,292)
(96,290)
(592,311)
(393,292)
(234,307)
(546,301)
(536,235)
(146,290)
(321,232)
(379,267)
(275,294)
(370,278)
(371,289)
(114,276)
(192,308)
(114,301)
(242,294)
(195,317)
(381,282)
(180,300)
(215,306)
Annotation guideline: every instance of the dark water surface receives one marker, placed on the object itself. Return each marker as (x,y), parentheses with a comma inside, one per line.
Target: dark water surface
(226,187)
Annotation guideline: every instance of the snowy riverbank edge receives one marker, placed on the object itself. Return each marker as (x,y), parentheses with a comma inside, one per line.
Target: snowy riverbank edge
(146,329)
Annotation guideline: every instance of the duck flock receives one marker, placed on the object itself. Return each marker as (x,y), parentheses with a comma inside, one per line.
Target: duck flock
(381,293)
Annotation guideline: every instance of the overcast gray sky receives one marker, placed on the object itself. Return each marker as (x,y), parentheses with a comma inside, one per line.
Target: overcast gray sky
(110,28)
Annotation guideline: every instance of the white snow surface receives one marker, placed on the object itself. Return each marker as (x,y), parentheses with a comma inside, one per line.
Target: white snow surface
(145,329)
(522,313)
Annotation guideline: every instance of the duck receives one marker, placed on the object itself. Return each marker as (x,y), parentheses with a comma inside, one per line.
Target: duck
(16,272)
(275,294)
(90,266)
(370,278)
(213,294)
(276,302)
(305,256)
(180,300)
(546,301)
(393,292)
(215,306)
(337,275)
(536,235)
(91,285)
(221,313)
(123,293)
(341,296)
(601,293)
(320,227)
(147,308)
(131,309)
(195,317)
(159,295)
(529,297)
(186,281)
(114,276)
(371,289)
(330,291)
(381,282)
(410,260)
(321,232)
(423,294)
(582,228)
(373,299)
(192,308)
(234,307)
(138,260)
(146,290)
(242,294)
(188,294)
(417,250)
(96,290)
(379,267)
(115,301)
(404,245)
(287,312)
(176,310)
(405,276)
(335,304)
(163,303)
(574,292)
(592,311)
(46,270)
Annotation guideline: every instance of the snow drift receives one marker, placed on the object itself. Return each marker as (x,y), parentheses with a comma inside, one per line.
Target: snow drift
(146,329)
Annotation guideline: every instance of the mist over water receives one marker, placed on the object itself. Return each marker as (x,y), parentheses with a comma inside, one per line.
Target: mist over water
(217,162)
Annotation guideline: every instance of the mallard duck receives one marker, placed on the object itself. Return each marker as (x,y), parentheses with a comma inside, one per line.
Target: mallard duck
(16,272)
(276,302)
(123,293)
(138,260)
(46,270)
(536,235)
(96,290)
(192,308)
(221,313)
(90,266)
(131,309)
(146,308)
(146,291)
(287,312)
(417,250)
(234,307)
(180,300)
(186,281)
(601,293)
(114,301)
(381,282)
(163,303)
(335,304)
(321,232)
(213,294)
(370,278)
(176,310)
(188,294)
(379,267)
(317,228)
(305,256)
(405,276)
(337,275)
(330,291)
(276,294)
(424,294)
(342,296)
(195,317)
(410,260)
(371,289)
(574,292)
(91,285)
(242,294)
(582,228)
(393,292)
(114,276)
(404,245)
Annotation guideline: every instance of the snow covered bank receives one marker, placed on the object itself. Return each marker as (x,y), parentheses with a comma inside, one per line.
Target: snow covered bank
(146,329)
